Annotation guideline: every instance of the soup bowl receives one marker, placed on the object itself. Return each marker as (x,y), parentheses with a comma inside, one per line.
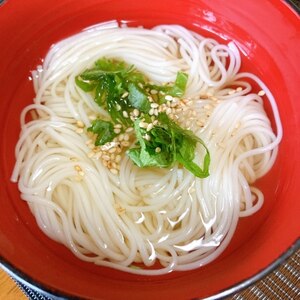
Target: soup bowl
(267,35)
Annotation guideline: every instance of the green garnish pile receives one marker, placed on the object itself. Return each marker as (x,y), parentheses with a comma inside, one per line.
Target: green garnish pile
(132,101)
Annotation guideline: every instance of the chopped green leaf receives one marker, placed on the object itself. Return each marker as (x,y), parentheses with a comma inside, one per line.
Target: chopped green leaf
(175,144)
(138,98)
(104,130)
(178,89)
(119,89)
(84,85)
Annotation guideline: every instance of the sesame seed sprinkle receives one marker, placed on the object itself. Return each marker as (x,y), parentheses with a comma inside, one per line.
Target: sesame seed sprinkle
(79,124)
(136,112)
(169,98)
(117,130)
(77,168)
(79,130)
(149,127)
(261,93)
(125,95)
(154,105)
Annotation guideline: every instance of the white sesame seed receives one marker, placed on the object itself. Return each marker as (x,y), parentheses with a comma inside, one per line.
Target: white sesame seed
(129,129)
(231,92)
(140,85)
(125,143)
(149,127)
(147,137)
(92,117)
(79,130)
(151,111)
(153,92)
(81,173)
(125,95)
(261,93)
(168,97)
(118,158)
(98,155)
(121,137)
(114,171)
(155,112)
(106,157)
(136,112)
(126,137)
(154,105)
(79,124)
(77,168)
(117,130)
(118,107)
(157,149)
(125,114)
(239,89)
(117,126)
(143,125)
(169,110)
(112,150)
(155,122)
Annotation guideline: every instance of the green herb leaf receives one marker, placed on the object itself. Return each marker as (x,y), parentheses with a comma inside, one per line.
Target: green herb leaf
(104,130)
(146,155)
(175,144)
(138,98)
(178,89)
(167,142)
(84,85)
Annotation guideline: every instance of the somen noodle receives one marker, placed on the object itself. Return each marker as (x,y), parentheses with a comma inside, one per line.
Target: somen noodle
(138,215)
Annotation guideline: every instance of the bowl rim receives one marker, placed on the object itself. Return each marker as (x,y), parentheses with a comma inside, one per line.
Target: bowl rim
(22,278)
(19,276)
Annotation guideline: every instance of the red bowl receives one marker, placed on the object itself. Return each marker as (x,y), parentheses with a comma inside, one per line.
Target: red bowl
(267,33)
